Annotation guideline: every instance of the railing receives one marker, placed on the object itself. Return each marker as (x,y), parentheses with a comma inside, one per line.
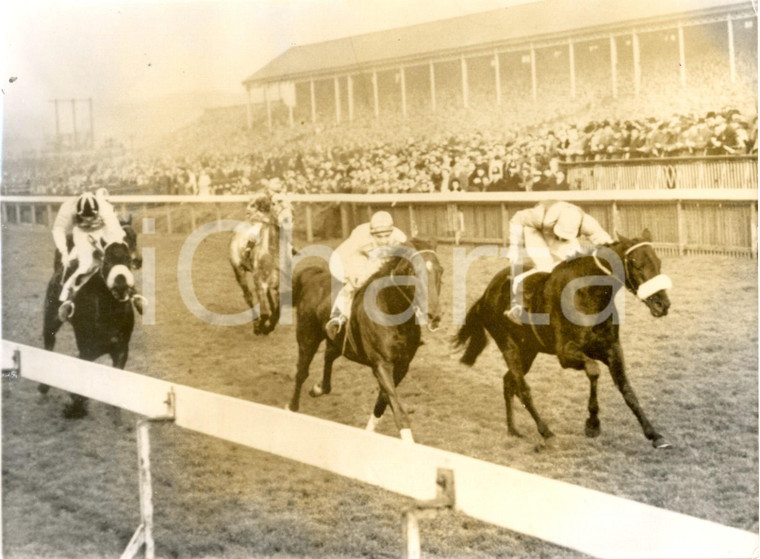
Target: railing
(673,173)
(591,522)
(682,221)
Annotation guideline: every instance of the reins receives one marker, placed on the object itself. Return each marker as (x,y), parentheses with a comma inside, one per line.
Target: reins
(645,289)
(417,310)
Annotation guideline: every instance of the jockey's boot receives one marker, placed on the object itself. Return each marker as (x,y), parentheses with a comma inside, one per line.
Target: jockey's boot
(334,325)
(138,301)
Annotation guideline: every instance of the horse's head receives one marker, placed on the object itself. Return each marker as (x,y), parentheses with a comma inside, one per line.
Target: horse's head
(116,270)
(642,272)
(130,237)
(425,258)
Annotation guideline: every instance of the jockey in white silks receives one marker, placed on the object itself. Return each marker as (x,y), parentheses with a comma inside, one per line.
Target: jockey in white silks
(549,233)
(356,259)
(92,223)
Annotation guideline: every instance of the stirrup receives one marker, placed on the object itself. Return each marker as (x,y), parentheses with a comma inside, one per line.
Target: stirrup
(66,311)
(333,326)
(515,314)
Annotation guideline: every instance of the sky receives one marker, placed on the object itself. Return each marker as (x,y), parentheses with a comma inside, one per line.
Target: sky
(122,52)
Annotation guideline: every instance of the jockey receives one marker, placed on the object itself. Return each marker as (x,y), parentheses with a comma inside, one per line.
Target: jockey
(270,205)
(549,231)
(351,263)
(91,221)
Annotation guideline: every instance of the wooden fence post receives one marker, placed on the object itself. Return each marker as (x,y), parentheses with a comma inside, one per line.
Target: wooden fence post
(344,220)
(681,228)
(309,224)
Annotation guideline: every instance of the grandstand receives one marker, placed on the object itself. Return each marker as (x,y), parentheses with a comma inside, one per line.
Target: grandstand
(515,59)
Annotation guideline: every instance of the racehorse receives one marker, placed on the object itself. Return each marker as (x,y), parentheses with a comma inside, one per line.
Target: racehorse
(103,317)
(387,348)
(576,343)
(254,251)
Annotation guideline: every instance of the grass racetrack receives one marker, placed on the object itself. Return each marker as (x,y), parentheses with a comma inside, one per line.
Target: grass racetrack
(70,487)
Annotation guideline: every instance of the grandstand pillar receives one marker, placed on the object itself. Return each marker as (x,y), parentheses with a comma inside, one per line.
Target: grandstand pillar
(313,101)
(350,92)
(681,55)
(731,49)
(374,93)
(269,106)
(636,64)
(465,88)
(533,71)
(74,120)
(336,87)
(432,86)
(92,122)
(614,65)
(290,116)
(248,115)
(571,57)
(497,77)
(402,81)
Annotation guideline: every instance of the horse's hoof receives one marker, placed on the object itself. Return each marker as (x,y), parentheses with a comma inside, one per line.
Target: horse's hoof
(592,429)
(316,391)
(43,389)
(75,412)
(514,433)
(660,442)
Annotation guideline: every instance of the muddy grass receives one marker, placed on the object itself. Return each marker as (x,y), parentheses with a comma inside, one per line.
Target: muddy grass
(70,488)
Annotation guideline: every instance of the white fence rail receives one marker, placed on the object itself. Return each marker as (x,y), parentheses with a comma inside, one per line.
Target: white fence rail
(588,521)
(718,220)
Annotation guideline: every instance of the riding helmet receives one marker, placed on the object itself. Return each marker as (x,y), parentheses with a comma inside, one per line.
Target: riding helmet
(87,205)
(381,222)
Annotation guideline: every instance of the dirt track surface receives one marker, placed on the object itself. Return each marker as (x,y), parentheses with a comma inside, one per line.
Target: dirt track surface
(70,487)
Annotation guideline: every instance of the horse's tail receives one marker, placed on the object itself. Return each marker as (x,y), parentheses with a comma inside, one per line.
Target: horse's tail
(472,333)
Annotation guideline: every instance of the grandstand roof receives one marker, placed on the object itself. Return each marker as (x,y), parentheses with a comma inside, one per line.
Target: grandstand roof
(514,24)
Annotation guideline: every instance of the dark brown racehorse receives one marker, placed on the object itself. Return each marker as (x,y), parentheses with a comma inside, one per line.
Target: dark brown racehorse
(103,317)
(387,348)
(570,335)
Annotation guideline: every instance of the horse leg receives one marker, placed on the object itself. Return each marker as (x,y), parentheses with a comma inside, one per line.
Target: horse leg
(614,360)
(274,318)
(593,427)
(399,372)
(51,324)
(518,364)
(385,379)
(306,351)
(325,387)
(242,281)
(119,358)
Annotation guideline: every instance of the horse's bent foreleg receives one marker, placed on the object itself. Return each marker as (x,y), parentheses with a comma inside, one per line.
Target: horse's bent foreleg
(385,379)
(306,351)
(617,370)
(325,386)
(519,361)
(399,372)
(592,423)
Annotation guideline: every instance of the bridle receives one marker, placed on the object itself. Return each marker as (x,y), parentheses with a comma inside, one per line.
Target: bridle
(417,310)
(118,269)
(643,290)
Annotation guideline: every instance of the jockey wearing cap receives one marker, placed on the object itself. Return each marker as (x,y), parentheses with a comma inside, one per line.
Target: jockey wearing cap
(549,231)
(356,259)
(92,222)
(270,205)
